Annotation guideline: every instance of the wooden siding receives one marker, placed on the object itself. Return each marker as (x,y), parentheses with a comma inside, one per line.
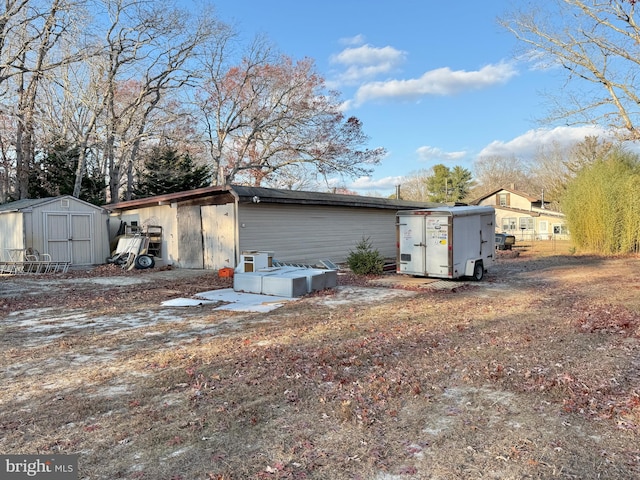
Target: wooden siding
(308,233)
(190,246)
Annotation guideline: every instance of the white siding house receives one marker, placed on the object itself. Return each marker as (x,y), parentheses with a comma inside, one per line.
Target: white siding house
(525,216)
(68,229)
(210,227)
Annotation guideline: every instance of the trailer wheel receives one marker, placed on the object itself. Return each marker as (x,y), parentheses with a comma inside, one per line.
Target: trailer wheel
(478,271)
(144,261)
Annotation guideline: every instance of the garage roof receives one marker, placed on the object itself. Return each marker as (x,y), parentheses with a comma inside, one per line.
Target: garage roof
(244,194)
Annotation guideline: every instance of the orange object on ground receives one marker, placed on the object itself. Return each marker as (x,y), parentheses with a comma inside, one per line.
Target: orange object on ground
(225,272)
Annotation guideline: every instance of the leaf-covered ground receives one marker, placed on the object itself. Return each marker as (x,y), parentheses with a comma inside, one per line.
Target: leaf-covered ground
(532,373)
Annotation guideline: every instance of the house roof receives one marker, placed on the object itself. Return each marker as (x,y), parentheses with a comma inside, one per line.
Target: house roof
(515,192)
(26,203)
(244,194)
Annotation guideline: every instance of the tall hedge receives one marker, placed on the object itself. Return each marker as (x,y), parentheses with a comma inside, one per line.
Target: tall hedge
(602,205)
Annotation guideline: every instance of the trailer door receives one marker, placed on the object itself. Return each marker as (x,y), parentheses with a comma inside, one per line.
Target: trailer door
(411,244)
(437,251)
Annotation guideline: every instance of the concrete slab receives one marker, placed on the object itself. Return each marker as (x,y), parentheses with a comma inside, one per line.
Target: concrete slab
(235,301)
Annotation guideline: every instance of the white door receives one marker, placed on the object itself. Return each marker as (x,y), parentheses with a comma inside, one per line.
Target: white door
(218,233)
(411,244)
(437,250)
(69,237)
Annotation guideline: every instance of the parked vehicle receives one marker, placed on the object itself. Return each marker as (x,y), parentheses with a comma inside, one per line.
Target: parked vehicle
(446,242)
(504,241)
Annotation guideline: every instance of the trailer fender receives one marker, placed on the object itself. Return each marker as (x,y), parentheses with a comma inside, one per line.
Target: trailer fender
(474,268)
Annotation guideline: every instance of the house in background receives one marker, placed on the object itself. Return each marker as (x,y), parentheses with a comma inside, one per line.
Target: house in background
(211,227)
(526,217)
(67,228)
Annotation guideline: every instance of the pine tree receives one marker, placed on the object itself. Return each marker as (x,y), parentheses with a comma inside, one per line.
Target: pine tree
(167,171)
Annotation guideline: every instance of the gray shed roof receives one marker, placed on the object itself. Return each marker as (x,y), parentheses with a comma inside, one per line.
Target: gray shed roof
(26,203)
(243,194)
(23,204)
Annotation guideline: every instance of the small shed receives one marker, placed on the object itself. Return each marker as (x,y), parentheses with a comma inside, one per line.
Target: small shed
(212,227)
(65,227)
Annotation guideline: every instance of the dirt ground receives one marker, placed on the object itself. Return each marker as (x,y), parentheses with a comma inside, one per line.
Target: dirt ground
(532,373)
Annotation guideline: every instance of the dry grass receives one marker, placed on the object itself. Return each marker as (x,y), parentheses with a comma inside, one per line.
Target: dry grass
(532,373)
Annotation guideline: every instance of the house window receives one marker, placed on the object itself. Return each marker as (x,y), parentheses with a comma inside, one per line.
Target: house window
(509,224)
(560,229)
(526,223)
(503,199)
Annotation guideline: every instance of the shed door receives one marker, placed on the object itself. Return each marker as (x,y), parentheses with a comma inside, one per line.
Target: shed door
(411,243)
(218,233)
(190,251)
(69,237)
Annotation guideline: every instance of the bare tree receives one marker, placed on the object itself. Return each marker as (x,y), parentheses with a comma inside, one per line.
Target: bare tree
(555,166)
(597,43)
(493,172)
(31,34)
(414,187)
(12,21)
(43,30)
(147,47)
(269,113)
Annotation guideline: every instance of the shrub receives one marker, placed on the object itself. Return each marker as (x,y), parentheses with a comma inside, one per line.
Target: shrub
(365,260)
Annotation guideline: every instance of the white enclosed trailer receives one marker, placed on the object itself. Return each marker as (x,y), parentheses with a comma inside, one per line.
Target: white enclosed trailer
(446,242)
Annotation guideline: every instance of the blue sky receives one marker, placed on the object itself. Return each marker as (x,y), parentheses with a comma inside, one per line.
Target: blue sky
(433,82)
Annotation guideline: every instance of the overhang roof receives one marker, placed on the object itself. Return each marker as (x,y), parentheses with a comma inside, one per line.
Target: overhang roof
(245,194)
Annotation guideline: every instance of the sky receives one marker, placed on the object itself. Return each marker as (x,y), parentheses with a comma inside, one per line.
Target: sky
(433,82)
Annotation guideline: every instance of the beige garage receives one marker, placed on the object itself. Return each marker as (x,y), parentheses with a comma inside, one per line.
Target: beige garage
(211,227)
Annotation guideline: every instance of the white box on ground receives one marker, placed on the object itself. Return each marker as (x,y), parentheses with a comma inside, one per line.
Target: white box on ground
(316,280)
(250,282)
(330,278)
(285,285)
(316,277)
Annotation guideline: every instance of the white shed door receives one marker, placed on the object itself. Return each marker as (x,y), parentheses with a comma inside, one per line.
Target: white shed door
(69,237)
(218,233)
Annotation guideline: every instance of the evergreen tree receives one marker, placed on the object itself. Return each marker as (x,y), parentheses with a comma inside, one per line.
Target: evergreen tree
(54,174)
(167,171)
(446,185)
(54,171)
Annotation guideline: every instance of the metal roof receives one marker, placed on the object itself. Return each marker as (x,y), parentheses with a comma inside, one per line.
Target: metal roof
(244,194)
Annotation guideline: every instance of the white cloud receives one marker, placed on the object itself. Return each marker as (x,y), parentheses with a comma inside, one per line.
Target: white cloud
(427,153)
(355,40)
(369,183)
(365,62)
(528,144)
(442,81)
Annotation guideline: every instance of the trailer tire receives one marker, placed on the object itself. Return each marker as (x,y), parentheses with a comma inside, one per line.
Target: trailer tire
(478,271)
(144,261)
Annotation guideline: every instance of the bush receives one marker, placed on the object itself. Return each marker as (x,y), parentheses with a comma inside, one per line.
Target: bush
(365,260)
